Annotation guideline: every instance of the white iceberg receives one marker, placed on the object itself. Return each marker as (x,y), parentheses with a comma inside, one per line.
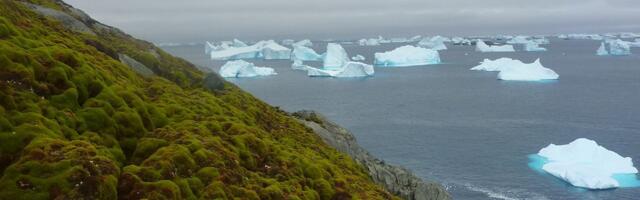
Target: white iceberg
(241,68)
(358,58)
(304,53)
(581,36)
(335,57)
(527,72)
(497,65)
(288,42)
(584,163)
(435,43)
(238,43)
(533,46)
(602,50)
(407,56)
(516,70)
(520,39)
(369,42)
(483,47)
(629,35)
(349,70)
(619,48)
(460,41)
(263,49)
(299,65)
(306,43)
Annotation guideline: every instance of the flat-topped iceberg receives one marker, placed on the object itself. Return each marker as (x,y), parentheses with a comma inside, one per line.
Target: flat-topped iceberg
(407,56)
(263,49)
(483,47)
(516,70)
(349,70)
(584,163)
(369,42)
(304,53)
(241,69)
(580,36)
(335,58)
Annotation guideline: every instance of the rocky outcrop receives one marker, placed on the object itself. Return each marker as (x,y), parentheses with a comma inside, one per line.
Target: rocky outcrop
(135,65)
(67,20)
(397,180)
(213,82)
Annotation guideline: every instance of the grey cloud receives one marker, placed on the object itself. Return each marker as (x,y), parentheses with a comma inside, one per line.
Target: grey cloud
(198,20)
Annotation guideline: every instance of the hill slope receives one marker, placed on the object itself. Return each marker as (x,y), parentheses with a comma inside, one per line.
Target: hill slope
(77,123)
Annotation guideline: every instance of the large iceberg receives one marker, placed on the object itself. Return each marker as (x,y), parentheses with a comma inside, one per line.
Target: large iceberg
(335,58)
(407,56)
(584,163)
(516,70)
(241,68)
(263,49)
(483,47)
(349,70)
(304,53)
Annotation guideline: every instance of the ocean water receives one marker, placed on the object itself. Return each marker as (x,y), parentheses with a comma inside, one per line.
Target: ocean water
(464,128)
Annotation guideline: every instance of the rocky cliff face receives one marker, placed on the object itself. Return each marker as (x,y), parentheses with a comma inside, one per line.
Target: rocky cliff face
(395,179)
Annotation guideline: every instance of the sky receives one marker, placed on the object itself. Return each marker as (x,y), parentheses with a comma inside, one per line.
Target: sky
(183,21)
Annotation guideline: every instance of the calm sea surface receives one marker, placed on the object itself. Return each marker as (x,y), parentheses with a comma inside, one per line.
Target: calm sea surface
(464,128)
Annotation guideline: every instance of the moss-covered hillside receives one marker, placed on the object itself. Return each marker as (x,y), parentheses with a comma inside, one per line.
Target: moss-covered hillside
(76,123)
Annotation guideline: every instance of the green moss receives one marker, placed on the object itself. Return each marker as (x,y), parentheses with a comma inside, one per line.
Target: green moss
(96,120)
(145,147)
(68,99)
(208,174)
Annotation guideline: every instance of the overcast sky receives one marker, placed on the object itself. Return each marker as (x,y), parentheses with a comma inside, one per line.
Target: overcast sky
(199,20)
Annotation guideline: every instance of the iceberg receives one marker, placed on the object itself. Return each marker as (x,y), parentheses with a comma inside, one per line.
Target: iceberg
(288,42)
(304,53)
(483,47)
(241,68)
(581,37)
(238,43)
(516,70)
(358,58)
(533,46)
(460,41)
(415,38)
(335,57)
(298,65)
(619,48)
(435,43)
(520,39)
(602,50)
(527,72)
(306,43)
(407,56)
(369,42)
(583,163)
(349,70)
(263,49)
(627,35)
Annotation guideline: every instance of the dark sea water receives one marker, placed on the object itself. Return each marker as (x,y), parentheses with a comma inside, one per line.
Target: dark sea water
(464,128)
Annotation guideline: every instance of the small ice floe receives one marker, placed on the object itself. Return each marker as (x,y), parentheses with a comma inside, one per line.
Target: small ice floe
(358,58)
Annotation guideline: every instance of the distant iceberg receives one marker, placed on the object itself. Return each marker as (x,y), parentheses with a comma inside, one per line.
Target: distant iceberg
(349,70)
(460,41)
(614,47)
(435,43)
(241,69)
(580,36)
(369,42)
(483,47)
(627,35)
(584,163)
(264,49)
(533,46)
(299,65)
(288,42)
(602,50)
(335,58)
(304,53)
(358,58)
(516,70)
(306,43)
(520,39)
(407,56)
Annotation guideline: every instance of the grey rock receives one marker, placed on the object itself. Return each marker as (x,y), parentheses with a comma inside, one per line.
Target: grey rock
(397,180)
(213,82)
(67,20)
(135,65)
